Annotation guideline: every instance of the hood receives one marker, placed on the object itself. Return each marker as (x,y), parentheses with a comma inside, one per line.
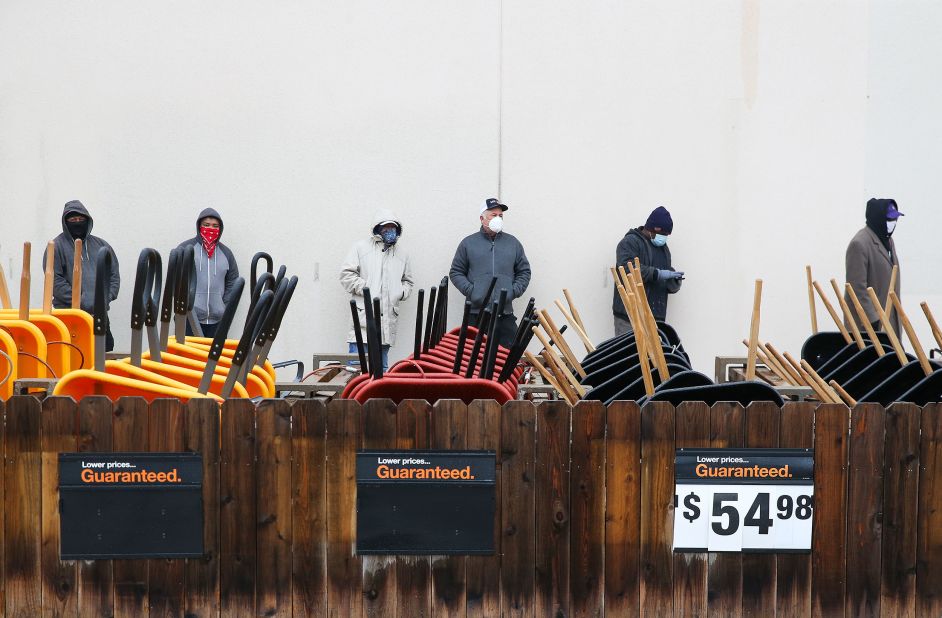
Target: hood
(74,207)
(876,217)
(209,212)
(382,216)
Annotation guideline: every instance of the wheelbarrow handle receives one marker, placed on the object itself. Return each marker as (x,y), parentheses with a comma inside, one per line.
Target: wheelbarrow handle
(358,336)
(260,256)
(219,341)
(100,314)
(417,351)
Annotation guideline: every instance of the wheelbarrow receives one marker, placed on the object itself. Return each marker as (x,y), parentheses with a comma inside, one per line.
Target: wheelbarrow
(86,382)
(144,309)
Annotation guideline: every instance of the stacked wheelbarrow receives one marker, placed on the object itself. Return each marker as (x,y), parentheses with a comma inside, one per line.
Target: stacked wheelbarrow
(187,367)
(871,367)
(647,364)
(464,363)
(43,343)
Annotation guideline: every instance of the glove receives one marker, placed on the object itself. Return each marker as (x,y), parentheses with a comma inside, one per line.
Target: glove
(665,275)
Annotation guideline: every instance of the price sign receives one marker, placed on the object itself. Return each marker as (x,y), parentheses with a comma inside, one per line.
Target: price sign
(743,500)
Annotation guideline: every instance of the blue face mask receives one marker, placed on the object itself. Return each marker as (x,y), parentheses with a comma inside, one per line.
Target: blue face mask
(659,240)
(390,237)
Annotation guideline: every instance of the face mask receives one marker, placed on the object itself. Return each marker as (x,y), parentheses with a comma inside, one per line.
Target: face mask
(210,236)
(496,224)
(390,237)
(659,240)
(890,226)
(78,229)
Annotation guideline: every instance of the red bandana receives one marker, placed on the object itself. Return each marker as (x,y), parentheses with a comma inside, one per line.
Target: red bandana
(210,236)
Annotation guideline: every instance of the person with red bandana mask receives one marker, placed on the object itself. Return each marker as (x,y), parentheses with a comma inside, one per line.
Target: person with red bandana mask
(216,272)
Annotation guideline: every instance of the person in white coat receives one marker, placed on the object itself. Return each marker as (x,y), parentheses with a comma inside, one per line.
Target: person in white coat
(381,264)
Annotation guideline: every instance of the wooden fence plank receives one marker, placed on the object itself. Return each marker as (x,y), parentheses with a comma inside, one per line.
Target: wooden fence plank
(59,424)
(96,577)
(129,427)
(201,420)
(830,500)
(900,510)
(657,509)
(165,578)
(692,430)
(21,480)
(623,509)
(273,513)
(864,509)
(344,567)
(587,519)
(449,430)
(237,529)
(793,588)
(553,509)
(309,517)
(413,573)
(929,542)
(378,428)
(484,572)
(724,583)
(518,424)
(763,420)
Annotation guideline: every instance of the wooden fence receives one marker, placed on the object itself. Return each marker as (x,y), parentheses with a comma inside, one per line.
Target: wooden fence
(583,522)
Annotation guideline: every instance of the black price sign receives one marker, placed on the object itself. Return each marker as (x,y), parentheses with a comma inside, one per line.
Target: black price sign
(425,502)
(130,505)
(749,500)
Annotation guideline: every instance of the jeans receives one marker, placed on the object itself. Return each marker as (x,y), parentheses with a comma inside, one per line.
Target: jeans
(352,349)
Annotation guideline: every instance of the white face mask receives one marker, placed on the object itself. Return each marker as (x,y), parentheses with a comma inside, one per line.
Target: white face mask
(496,224)
(890,226)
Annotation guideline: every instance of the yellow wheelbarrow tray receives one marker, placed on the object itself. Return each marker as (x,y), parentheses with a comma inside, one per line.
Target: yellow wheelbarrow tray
(7,364)
(57,336)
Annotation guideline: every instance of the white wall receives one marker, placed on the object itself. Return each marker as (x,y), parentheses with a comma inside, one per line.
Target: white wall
(763,126)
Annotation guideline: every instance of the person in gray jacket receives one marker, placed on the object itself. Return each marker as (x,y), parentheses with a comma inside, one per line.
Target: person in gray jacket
(871,256)
(216,272)
(649,244)
(77,224)
(491,252)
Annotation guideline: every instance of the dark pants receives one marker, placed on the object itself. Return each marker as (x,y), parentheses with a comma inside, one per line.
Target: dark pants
(209,330)
(506,328)
(109,340)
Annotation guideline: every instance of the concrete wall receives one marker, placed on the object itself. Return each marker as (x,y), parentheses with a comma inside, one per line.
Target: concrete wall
(763,126)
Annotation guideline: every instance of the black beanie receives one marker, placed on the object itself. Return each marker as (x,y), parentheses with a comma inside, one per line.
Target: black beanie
(660,218)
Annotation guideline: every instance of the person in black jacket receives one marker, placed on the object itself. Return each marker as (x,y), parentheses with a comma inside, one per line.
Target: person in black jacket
(649,244)
(77,224)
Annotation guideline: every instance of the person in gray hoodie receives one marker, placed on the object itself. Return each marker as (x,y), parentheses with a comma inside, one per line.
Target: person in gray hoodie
(77,224)
(216,271)
(491,252)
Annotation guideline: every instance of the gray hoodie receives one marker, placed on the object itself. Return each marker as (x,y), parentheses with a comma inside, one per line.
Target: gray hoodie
(215,275)
(479,258)
(65,260)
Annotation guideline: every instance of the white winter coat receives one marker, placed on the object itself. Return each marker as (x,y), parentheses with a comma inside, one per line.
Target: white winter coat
(388,275)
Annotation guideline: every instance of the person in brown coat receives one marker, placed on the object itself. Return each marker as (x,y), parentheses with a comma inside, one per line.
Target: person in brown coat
(871,257)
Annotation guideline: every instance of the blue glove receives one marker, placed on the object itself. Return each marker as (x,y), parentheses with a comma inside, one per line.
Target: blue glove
(665,275)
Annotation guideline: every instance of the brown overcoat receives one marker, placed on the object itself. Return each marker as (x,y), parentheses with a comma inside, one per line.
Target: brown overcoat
(869,264)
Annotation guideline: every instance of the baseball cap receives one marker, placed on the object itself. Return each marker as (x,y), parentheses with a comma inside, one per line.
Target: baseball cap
(491,202)
(892,212)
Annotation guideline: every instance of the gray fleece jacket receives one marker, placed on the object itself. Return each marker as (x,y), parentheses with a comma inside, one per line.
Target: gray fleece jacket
(479,258)
(215,275)
(65,260)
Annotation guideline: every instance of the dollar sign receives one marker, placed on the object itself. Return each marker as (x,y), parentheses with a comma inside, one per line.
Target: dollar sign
(690,502)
